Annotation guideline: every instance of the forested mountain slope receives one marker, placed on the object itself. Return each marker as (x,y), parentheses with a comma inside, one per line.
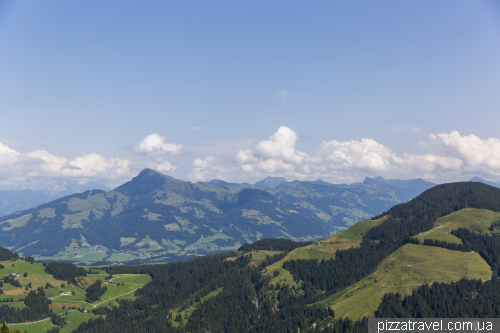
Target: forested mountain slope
(157,217)
(343,205)
(153,216)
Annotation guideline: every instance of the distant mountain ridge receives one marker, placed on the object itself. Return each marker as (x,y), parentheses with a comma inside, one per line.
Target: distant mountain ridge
(158,217)
(480,180)
(343,205)
(34,193)
(154,215)
(270,182)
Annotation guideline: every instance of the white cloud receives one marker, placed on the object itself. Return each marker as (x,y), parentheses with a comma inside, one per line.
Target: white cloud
(208,168)
(16,167)
(448,157)
(197,128)
(282,94)
(155,146)
(477,155)
(164,166)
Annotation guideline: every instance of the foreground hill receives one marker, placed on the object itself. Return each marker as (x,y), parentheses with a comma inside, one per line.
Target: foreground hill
(34,193)
(153,216)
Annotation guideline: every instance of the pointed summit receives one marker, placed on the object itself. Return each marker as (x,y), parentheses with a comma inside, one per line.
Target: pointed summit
(146,181)
(320,182)
(270,182)
(487,182)
(374,181)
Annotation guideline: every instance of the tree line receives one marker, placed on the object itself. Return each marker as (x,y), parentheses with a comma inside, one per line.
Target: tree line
(65,271)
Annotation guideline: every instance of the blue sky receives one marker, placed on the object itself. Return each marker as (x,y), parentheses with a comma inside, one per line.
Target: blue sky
(336,90)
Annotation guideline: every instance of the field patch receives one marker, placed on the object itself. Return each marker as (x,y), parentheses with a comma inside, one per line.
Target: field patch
(172,227)
(477,220)
(47,213)
(126,240)
(182,222)
(133,279)
(16,223)
(152,216)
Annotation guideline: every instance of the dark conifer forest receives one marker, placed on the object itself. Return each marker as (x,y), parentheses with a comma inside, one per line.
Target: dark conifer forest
(65,271)
(461,299)
(95,291)
(6,254)
(38,307)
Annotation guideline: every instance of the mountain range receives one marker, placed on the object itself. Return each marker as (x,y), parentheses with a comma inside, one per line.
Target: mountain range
(159,218)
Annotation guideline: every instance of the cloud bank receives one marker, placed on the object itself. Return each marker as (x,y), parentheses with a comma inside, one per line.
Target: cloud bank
(448,157)
(16,168)
(42,164)
(445,157)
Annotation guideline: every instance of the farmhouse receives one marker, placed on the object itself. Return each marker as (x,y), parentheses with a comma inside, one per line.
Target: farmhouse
(15,275)
(113,283)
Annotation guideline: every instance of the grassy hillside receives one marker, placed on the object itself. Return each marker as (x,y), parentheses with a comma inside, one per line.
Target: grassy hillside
(65,306)
(477,220)
(322,249)
(405,270)
(344,205)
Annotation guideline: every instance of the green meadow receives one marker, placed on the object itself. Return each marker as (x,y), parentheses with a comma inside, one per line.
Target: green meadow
(477,220)
(404,270)
(64,304)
